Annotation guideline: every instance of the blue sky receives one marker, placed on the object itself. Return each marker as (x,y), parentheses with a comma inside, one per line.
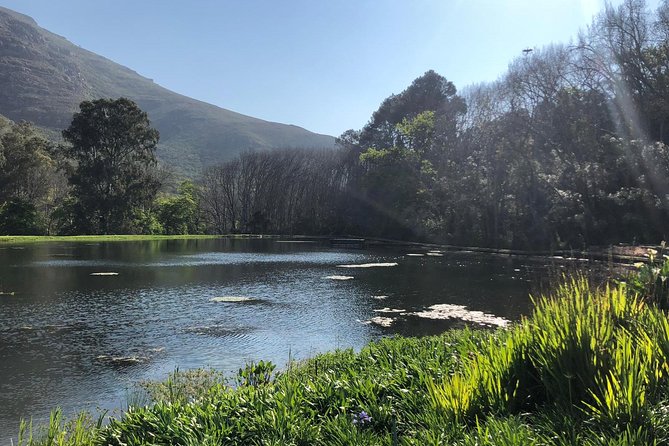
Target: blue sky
(325,65)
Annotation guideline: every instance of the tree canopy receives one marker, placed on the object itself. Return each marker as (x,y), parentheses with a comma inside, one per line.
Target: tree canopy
(112,147)
(28,178)
(567,149)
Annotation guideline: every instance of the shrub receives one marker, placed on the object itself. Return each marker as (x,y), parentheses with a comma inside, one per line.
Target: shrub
(20,217)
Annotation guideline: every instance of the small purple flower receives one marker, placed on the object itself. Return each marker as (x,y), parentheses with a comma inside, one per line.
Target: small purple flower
(362,418)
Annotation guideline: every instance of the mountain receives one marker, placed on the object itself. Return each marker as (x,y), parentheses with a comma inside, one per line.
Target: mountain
(44,77)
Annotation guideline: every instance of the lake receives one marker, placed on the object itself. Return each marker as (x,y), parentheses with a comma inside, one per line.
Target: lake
(81,323)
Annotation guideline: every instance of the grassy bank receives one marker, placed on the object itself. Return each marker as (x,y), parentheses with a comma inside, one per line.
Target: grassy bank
(590,367)
(25,239)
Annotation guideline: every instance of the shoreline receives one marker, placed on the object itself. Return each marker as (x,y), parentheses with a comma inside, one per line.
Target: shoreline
(31,239)
(618,253)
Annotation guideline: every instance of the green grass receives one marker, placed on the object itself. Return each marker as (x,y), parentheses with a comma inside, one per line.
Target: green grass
(588,367)
(25,239)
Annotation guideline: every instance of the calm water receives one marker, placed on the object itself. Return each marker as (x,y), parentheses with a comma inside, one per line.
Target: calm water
(62,328)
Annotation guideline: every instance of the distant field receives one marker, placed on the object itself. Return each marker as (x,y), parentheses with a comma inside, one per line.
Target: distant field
(19,239)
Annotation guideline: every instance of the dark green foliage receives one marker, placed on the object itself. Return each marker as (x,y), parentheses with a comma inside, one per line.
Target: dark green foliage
(19,217)
(398,180)
(430,92)
(30,181)
(112,146)
(255,374)
(67,215)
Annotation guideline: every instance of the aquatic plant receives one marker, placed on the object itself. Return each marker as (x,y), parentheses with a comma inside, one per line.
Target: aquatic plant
(81,430)
(650,278)
(256,374)
(182,386)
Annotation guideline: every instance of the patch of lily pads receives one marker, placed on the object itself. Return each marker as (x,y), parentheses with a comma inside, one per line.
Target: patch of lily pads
(450,311)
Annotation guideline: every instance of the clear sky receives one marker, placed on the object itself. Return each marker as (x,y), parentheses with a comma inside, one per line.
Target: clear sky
(325,65)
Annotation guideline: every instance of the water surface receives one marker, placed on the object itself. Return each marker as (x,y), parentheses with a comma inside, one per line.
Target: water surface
(81,341)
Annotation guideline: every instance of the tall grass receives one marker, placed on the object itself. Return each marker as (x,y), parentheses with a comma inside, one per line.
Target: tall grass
(81,430)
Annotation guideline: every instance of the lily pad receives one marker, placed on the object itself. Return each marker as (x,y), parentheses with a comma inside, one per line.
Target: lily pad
(369,265)
(232,299)
(390,310)
(382,321)
(339,277)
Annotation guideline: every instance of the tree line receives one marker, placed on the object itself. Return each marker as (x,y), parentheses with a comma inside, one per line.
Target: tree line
(566,149)
(104,178)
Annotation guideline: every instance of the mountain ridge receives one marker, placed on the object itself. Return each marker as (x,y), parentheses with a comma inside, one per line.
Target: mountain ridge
(46,77)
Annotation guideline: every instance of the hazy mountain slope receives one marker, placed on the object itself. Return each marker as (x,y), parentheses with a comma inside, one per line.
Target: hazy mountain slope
(44,77)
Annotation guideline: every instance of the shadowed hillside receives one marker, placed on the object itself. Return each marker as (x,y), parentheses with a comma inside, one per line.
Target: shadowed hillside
(44,77)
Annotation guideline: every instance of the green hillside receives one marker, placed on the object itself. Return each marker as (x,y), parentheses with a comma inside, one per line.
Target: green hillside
(45,77)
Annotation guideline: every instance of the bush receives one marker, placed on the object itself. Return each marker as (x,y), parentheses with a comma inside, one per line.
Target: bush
(650,279)
(20,217)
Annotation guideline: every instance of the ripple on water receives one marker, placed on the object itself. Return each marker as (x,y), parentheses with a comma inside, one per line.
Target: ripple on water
(72,327)
(122,361)
(71,263)
(214,258)
(219,331)
(236,258)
